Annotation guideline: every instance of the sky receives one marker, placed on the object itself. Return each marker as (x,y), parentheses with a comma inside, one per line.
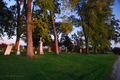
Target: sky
(116,12)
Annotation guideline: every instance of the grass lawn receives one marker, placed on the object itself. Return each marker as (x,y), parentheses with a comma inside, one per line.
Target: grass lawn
(56,67)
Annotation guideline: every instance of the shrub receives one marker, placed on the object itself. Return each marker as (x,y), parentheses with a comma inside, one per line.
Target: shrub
(53,47)
(116,51)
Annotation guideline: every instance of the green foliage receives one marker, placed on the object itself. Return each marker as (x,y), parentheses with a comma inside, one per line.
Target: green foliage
(66,41)
(51,67)
(95,21)
(66,27)
(78,39)
(45,4)
(41,22)
(116,50)
(41,28)
(6,20)
(116,24)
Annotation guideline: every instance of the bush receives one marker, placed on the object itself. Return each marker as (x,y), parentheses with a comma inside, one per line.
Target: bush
(116,51)
(53,47)
(110,53)
(77,49)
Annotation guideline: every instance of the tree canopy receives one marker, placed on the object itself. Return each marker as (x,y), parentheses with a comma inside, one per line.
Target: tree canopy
(37,18)
(94,18)
(6,20)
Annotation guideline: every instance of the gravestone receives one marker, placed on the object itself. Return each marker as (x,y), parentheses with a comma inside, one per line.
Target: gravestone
(40,49)
(49,49)
(66,50)
(35,52)
(83,50)
(80,50)
(8,50)
(18,50)
(59,49)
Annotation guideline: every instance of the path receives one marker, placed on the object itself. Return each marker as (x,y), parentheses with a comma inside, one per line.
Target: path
(116,75)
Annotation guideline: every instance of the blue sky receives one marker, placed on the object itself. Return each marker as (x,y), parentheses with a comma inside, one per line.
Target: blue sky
(116,12)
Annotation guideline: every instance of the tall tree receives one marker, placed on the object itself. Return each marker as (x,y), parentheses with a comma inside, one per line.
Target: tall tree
(78,39)
(94,15)
(65,26)
(104,31)
(52,7)
(116,23)
(55,34)
(66,41)
(29,30)
(20,28)
(40,23)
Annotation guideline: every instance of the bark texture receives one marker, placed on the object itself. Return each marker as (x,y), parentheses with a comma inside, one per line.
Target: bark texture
(29,31)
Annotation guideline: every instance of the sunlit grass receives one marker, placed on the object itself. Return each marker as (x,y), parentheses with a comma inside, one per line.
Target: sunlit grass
(56,67)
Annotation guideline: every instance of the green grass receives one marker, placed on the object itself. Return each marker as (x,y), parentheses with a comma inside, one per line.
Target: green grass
(56,67)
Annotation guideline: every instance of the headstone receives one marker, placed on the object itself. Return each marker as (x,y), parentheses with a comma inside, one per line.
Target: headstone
(22,47)
(49,49)
(59,49)
(83,50)
(8,50)
(18,50)
(80,50)
(35,52)
(66,50)
(40,49)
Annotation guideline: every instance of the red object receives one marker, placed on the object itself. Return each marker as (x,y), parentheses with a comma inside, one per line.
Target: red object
(3,45)
(53,47)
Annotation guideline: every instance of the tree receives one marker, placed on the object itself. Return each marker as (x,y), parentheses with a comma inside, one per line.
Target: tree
(104,31)
(20,23)
(115,23)
(6,20)
(83,10)
(94,15)
(55,34)
(78,39)
(29,29)
(54,8)
(66,41)
(65,26)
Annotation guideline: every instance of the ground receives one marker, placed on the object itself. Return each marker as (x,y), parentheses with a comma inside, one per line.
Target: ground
(116,71)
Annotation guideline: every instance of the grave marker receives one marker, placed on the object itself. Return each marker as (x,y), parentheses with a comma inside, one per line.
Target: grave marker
(40,49)
(49,49)
(80,50)
(8,50)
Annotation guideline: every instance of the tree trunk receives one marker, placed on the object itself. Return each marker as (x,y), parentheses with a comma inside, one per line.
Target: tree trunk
(55,35)
(86,38)
(17,42)
(87,45)
(95,50)
(18,20)
(18,24)
(102,51)
(29,31)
